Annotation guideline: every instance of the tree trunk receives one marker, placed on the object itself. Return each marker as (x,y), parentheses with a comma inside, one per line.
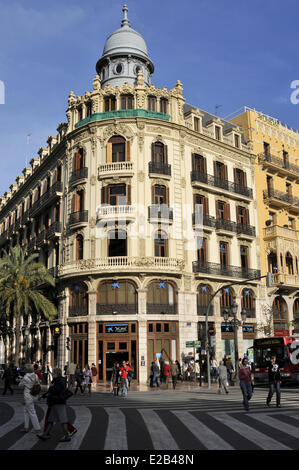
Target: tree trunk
(17,341)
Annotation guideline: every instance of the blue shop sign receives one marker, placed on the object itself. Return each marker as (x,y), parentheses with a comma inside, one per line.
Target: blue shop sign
(117,328)
(227,328)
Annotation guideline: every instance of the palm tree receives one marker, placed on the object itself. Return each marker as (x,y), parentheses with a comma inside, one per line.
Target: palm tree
(21,281)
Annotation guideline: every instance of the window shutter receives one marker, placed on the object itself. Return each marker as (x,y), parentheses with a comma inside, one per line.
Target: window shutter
(238,218)
(128,151)
(103,195)
(227,211)
(204,164)
(109,152)
(217,210)
(128,190)
(153,152)
(245,179)
(224,175)
(235,175)
(215,169)
(77,161)
(167,196)
(205,206)
(247,217)
(165,154)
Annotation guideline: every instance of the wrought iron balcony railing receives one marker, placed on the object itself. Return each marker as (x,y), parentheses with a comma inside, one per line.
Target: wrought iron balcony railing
(160,212)
(78,217)
(79,174)
(159,168)
(202,310)
(218,269)
(117,309)
(212,180)
(54,229)
(158,309)
(78,311)
(46,198)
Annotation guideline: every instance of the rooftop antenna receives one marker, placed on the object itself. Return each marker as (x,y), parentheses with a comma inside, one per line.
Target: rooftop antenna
(216,108)
(28,142)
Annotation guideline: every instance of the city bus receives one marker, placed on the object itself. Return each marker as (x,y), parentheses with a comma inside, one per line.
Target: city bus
(286,349)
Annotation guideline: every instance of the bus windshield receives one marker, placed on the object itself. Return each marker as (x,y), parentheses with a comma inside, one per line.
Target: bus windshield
(262,355)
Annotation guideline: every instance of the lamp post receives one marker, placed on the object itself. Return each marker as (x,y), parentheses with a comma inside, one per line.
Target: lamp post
(236,323)
(26,333)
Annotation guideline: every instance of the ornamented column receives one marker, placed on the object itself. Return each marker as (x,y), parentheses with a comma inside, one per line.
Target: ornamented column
(142,336)
(92,327)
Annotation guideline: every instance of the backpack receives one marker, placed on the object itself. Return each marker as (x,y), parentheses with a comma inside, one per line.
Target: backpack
(35,389)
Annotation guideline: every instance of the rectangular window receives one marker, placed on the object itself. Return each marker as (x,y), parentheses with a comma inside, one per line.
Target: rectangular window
(196,124)
(110,346)
(152,103)
(150,328)
(244,256)
(166,327)
(163,105)
(100,329)
(266,148)
(223,253)
(122,346)
(158,327)
(133,328)
(217,133)
(237,140)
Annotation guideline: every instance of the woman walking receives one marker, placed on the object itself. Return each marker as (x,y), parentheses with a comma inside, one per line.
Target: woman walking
(56,400)
(27,382)
(87,378)
(245,382)
(78,379)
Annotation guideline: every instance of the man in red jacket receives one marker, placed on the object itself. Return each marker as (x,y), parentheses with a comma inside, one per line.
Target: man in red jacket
(245,382)
(124,378)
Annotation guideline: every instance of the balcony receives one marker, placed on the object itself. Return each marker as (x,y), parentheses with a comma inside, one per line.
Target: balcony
(161,309)
(117,309)
(78,311)
(284,167)
(159,168)
(114,213)
(157,213)
(46,199)
(277,198)
(78,218)
(224,226)
(41,238)
(214,182)
(245,231)
(78,175)
(108,170)
(31,245)
(207,221)
(123,264)
(281,232)
(25,219)
(53,271)
(54,230)
(217,269)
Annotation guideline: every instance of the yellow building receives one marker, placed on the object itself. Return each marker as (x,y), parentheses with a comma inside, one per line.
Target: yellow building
(276,147)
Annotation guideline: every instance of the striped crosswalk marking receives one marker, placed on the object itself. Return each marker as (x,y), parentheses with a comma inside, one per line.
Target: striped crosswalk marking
(161,438)
(277,424)
(82,423)
(116,437)
(29,439)
(251,434)
(15,421)
(204,434)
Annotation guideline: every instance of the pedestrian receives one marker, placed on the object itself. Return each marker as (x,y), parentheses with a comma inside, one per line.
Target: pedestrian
(222,377)
(29,380)
(179,369)
(124,378)
(130,374)
(166,373)
(72,373)
(38,373)
(115,379)
(274,378)
(245,382)
(229,368)
(78,379)
(174,374)
(155,373)
(87,378)
(94,373)
(56,400)
(8,379)
(214,366)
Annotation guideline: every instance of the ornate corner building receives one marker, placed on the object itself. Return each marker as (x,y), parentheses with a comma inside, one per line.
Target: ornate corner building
(276,147)
(141,207)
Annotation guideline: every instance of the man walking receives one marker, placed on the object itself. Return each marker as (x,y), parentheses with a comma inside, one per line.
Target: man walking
(222,377)
(124,378)
(174,374)
(274,381)
(155,373)
(8,379)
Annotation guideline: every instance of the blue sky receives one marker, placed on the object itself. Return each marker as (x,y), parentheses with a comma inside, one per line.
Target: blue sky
(230,53)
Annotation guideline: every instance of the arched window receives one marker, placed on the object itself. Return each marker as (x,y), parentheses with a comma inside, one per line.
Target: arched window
(161,298)
(152,103)
(272,263)
(126,101)
(248,302)
(79,247)
(161,243)
(78,300)
(204,294)
(226,299)
(289,264)
(159,156)
(280,314)
(117,297)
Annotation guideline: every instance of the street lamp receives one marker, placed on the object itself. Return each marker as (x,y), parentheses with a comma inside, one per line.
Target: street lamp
(236,323)
(26,333)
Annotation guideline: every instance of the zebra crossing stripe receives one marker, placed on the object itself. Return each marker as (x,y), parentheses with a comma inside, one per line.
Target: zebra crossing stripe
(15,421)
(82,422)
(277,424)
(116,437)
(29,439)
(161,438)
(204,434)
(251,434)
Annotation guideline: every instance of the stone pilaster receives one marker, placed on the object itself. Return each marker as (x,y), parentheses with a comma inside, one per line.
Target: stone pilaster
(92,328)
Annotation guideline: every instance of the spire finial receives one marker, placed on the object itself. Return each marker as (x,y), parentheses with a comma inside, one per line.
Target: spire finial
(125,21)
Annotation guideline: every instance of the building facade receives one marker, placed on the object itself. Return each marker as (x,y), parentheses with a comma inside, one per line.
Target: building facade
(141,207)
(277,181)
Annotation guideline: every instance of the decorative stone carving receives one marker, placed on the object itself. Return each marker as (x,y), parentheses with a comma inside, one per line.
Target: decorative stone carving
(141,176)
(92,222)
(93,180)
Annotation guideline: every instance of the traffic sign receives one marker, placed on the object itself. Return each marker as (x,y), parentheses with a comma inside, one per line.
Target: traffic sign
(190,344)
(212,330)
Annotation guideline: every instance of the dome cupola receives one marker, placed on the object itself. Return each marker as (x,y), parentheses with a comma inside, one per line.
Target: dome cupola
(124,54)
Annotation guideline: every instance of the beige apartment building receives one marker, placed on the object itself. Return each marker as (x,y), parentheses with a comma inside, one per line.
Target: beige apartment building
(141,207)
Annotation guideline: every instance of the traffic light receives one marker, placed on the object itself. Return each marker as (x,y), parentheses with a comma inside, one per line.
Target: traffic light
(269,280)
(68,344)
(57,330)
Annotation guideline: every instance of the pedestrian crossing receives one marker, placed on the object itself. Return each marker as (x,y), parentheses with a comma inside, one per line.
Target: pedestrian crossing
(158,429)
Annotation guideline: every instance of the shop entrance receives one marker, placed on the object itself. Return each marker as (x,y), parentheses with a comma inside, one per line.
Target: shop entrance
(112,358)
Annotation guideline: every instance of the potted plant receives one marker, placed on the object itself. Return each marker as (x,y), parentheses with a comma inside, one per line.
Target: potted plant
(268,222)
